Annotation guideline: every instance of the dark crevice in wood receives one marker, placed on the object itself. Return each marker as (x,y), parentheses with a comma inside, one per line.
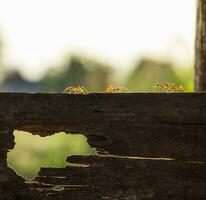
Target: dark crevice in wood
(72,158)
(119,178)
(97,140)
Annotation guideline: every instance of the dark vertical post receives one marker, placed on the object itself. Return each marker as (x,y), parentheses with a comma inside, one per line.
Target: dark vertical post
(200,47)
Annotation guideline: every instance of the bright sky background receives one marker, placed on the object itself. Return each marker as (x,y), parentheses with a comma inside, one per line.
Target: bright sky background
(40,33)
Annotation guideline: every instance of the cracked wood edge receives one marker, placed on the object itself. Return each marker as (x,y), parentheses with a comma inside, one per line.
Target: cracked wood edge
(136,125)
(124,178)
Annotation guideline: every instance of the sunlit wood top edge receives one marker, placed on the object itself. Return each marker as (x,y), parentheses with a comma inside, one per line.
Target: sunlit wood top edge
(101,93)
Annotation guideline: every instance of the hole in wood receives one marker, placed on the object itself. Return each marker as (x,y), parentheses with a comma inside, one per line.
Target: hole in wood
(31,152)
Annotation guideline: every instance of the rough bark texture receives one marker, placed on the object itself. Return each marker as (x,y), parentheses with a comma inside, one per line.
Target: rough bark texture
(132,133)
(200,62)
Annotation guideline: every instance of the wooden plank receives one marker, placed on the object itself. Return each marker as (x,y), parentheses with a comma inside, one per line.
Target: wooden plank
(124,178)
(30,108)
(13,187)
(141,124)
(200,47)
(147,125)
(6,142)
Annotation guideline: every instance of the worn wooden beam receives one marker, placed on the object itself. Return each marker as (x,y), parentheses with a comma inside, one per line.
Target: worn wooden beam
(124,178)
(200,47)
(149,125)
(122,127)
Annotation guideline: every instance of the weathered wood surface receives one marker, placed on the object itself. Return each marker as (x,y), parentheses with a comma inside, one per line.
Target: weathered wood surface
(118,125)
(149,125)
(119,178)
(200,47)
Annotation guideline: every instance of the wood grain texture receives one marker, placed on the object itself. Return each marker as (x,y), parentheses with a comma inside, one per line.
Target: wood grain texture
(142,124)
(121,178)
(118,125)
(200,47)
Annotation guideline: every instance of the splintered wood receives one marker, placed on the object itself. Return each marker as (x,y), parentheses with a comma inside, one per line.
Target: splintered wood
(150,146)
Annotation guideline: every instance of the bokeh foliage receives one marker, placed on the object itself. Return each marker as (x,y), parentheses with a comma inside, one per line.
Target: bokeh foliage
(33,152)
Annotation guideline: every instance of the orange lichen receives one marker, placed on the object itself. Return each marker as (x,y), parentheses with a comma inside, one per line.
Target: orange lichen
(75,90)
(169,87)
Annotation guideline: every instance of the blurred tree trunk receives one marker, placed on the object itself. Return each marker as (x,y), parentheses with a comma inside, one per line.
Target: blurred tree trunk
(200,47)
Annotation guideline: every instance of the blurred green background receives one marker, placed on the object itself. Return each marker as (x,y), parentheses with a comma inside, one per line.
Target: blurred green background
(46,46)
(95,76)
(32,152)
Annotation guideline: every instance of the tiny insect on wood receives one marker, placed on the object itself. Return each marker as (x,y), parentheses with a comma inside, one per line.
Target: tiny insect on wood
(76,90)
